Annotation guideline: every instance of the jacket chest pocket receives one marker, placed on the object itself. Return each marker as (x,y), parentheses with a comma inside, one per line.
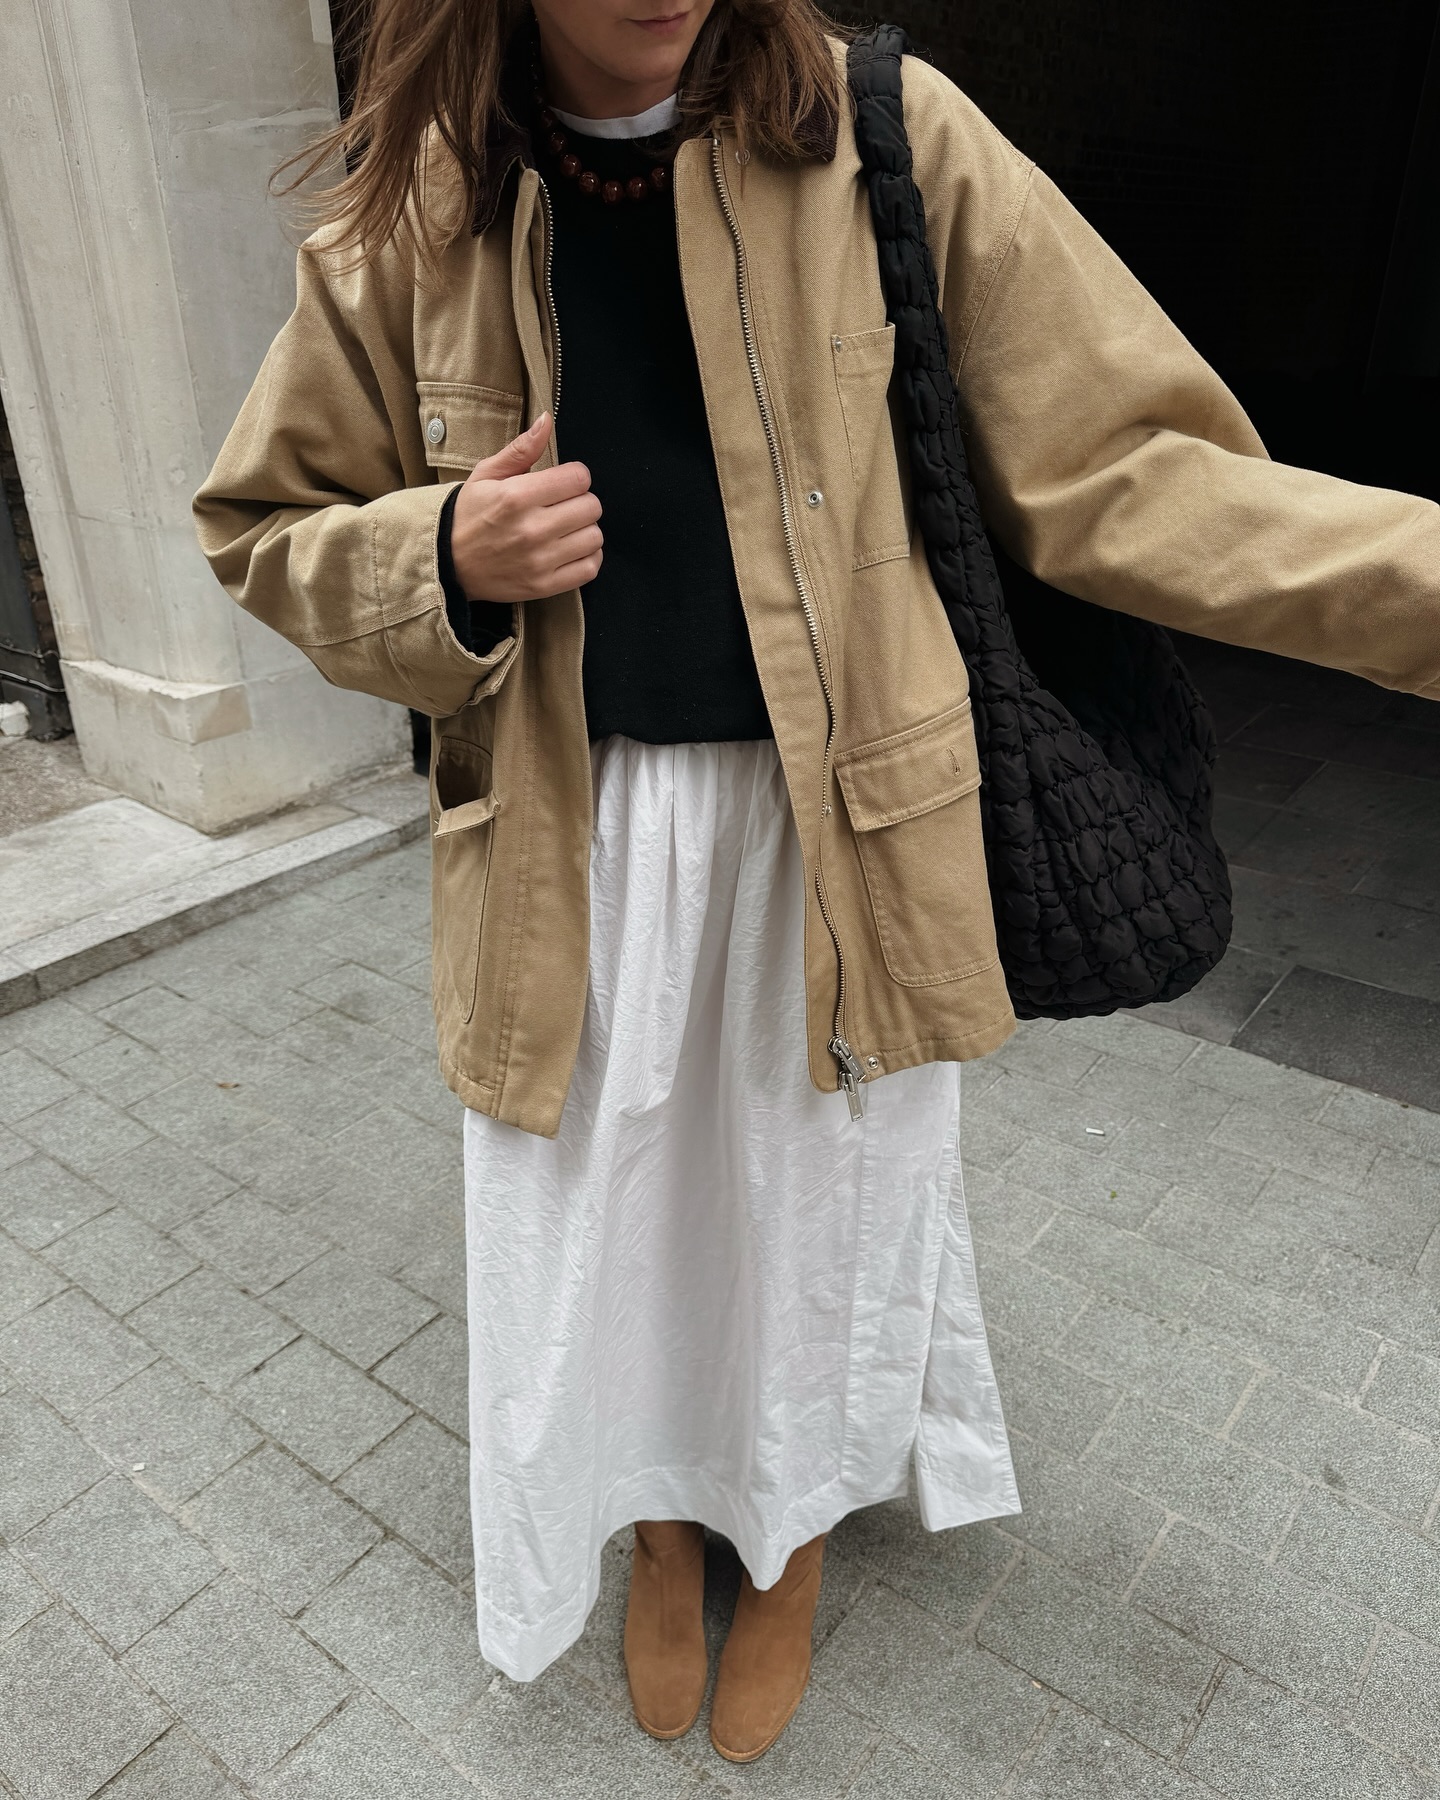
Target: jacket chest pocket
(914,804)
(462,811)
(461,424)
(864,362)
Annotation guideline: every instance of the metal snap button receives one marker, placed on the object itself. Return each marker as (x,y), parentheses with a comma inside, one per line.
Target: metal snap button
(814,498)
(838,342)
(873,1061)
(435,430)
(742,157)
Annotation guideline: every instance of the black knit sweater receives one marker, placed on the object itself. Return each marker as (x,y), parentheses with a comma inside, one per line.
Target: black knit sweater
(667,651)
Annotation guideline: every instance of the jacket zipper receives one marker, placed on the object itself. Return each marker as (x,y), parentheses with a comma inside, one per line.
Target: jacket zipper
(550,303)
(851,1072)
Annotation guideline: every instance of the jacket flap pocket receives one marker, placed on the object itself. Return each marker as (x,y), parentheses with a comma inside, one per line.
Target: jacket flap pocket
(461,424)
(460,792)
(911,773)
(859,353)
(462,818)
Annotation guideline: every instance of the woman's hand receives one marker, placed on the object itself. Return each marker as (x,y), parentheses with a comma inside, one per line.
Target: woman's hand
(522,536)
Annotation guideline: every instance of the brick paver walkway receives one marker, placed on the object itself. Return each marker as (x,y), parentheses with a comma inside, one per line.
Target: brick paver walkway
(232,1418)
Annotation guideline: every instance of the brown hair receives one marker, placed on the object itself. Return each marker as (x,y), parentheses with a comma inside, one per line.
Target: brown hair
(761,66)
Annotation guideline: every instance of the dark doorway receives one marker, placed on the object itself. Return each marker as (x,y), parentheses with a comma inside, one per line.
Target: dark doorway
(29,659)
(1271,171)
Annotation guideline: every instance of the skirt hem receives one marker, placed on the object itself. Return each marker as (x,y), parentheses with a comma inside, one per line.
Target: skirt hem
(524,1649)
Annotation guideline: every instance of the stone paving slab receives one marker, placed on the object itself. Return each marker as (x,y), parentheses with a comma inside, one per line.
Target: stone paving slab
(234,1546)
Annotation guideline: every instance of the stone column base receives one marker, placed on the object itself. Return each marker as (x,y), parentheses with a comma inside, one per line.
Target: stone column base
(218,755)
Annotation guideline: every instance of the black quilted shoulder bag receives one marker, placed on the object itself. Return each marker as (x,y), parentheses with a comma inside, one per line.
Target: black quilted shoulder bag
(1097,752)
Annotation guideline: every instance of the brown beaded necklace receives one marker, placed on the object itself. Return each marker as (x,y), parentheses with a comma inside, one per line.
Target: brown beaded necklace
(638,187)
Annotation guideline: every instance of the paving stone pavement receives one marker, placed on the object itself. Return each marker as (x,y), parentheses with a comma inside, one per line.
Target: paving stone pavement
(234,1552)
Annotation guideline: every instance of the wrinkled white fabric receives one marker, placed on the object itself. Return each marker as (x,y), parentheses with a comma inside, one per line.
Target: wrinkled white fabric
(713,1296)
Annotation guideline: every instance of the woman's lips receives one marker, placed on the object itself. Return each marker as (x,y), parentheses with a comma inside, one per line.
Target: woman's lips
(665,25)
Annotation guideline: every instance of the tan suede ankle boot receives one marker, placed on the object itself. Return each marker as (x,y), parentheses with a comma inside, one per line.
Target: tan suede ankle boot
(765,1665)
(664,1631)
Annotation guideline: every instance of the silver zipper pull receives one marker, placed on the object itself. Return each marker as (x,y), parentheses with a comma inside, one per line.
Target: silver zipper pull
(851,1076)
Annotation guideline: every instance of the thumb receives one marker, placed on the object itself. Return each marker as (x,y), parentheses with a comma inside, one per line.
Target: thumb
(518,456)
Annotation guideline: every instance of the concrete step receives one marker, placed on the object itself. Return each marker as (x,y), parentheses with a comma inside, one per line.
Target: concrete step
(98,886)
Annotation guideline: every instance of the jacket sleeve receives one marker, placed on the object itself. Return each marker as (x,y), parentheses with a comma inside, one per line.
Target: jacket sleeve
(1115,464)
(321,517)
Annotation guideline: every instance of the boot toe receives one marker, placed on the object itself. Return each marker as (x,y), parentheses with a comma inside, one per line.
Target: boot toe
(668,1718)
(667,1697)
(744,1725)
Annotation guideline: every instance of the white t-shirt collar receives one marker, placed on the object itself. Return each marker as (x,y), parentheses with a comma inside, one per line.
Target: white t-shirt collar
(650,123)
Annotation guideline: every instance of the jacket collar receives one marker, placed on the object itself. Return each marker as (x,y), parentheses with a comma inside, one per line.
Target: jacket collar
(508,140)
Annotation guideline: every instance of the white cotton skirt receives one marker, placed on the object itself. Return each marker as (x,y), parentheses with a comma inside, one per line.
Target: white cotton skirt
(713,1296)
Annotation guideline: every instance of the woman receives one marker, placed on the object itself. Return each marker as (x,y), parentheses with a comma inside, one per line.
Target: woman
(712,929)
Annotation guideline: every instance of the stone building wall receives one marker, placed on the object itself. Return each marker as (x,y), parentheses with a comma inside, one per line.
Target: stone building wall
(143,271)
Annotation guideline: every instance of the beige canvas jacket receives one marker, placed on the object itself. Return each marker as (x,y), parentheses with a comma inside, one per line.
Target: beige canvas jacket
(1111,460)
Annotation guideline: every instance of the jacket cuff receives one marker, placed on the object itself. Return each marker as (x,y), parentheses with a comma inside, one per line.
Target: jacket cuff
(433,670)
(441,675)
